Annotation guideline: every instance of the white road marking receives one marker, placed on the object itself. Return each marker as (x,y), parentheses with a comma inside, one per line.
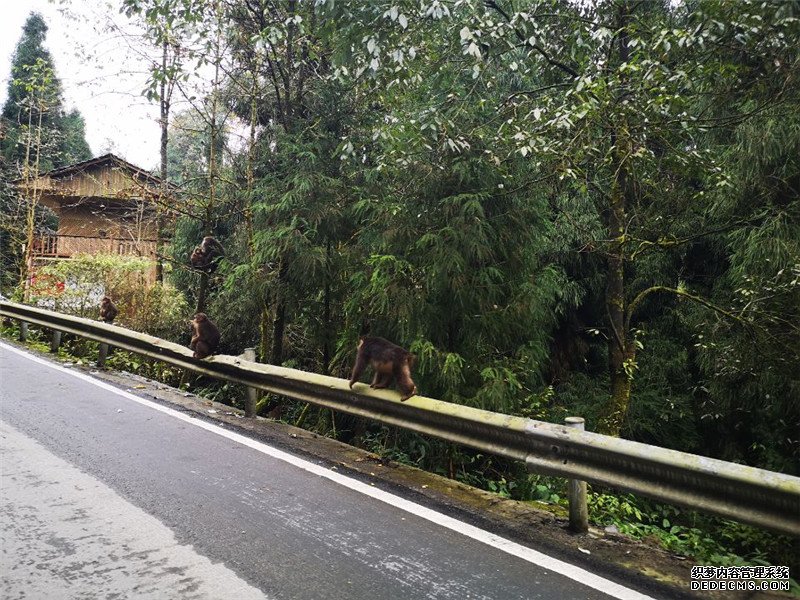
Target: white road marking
(495,541)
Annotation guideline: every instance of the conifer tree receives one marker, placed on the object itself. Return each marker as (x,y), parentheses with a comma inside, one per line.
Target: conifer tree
(34,111)
(37,135)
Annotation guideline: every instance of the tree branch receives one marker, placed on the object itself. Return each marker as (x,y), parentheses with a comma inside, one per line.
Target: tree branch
(565,68)
(671,243)
(684,294)
(534,92)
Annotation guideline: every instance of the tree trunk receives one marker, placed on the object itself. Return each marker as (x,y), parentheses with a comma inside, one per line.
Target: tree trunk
(251,159)
(279,318)
(202,293)
(264,329)
(34,201)
(326,313)
(620,347)
(278,327)
(164,122)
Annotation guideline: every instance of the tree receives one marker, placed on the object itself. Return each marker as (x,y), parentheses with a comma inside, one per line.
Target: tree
(609,102)
(38,137)
(35,100)
(75,148)
(184,30)
(168,26)
(530,198)
(289,57)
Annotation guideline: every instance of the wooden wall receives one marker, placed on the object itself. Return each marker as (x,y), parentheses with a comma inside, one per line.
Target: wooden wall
(90,219)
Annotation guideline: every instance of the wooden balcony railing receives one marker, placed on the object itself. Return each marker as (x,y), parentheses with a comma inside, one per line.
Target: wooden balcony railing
(65,246)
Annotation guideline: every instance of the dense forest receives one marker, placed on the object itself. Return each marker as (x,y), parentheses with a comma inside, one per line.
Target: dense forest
(561,207)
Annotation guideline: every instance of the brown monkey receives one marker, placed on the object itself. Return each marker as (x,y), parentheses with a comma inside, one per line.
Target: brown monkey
(204,257)
(198,259)
(108,310)
(388,361)
(211,247)
(205,336)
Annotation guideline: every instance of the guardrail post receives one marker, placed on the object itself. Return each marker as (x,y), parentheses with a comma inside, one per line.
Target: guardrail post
(252,393)
(23,331)
(55,342)
(576,491)
(103,354)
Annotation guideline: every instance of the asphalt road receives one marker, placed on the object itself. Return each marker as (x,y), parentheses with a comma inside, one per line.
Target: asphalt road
(106,495)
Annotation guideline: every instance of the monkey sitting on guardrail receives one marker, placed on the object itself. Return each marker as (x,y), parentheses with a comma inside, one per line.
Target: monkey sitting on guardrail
(205,336)
(108,310)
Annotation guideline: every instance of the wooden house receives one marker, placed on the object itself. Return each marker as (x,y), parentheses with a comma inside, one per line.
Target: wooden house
(105,205)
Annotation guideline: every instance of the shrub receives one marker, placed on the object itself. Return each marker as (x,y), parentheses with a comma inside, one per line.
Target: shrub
(76,286)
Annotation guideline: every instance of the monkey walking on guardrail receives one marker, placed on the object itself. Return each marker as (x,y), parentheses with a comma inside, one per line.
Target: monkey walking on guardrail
(388,361)
(205,336)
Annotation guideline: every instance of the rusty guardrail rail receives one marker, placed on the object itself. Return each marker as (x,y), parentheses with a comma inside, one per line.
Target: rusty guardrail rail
(756,496)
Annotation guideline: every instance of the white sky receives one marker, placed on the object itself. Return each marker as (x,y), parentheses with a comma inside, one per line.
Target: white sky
(101,75)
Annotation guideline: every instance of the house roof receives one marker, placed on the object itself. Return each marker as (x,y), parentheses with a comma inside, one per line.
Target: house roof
(99,161)
(58,181)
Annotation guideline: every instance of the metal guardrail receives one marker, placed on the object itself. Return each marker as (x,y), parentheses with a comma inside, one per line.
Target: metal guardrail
(755,496)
